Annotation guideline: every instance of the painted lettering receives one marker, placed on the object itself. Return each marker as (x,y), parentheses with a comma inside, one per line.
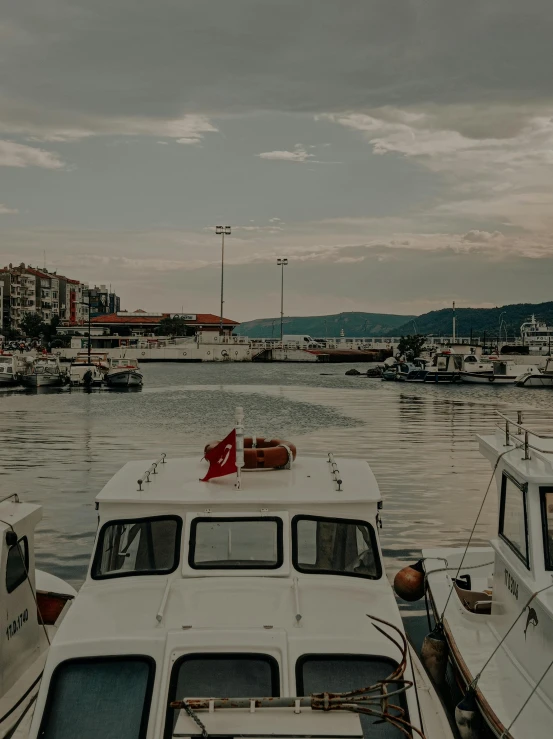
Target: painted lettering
(511,584)
(17,624)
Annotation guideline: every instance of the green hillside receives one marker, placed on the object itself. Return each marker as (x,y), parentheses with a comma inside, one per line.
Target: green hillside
(479,320)
(353,324)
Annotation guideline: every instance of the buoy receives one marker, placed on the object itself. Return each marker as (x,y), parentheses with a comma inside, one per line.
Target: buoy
(468,717)
(434,654)
(409,582)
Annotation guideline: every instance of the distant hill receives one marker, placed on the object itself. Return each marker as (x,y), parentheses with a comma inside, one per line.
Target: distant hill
(439,322)
(353,324)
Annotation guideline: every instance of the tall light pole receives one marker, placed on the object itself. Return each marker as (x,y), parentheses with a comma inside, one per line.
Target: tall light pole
(222,231)
(282,264)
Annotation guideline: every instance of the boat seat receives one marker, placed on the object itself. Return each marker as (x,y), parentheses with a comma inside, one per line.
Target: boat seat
(475,601)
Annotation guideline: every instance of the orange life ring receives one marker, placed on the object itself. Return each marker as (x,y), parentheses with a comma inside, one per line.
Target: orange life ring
(267,452)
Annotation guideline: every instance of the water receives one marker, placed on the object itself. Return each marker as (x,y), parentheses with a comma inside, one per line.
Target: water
(59,447)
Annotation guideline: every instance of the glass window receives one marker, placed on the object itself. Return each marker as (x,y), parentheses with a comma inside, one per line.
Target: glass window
(512,517)
(140,546)
(236,543)
(547,516)
(338,546)
(108,697)
(17,564)
(229,675)
(337,673)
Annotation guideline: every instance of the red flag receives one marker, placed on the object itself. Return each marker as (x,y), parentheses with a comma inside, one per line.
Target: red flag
(222,458)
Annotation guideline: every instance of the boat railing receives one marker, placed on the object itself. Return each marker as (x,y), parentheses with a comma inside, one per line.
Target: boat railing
(152,470)
(521,437)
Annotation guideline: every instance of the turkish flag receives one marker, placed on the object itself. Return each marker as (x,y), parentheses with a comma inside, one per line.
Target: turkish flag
(222,458)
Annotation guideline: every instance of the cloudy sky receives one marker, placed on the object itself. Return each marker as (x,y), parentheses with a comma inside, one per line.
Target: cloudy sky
(398,152)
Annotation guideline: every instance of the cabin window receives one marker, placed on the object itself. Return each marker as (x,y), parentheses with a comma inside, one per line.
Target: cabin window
(238,543)
(17,564)
(138,546)
(546,495)
(226,675)
(338,673)
(106,697)
(335,546)
(513,527)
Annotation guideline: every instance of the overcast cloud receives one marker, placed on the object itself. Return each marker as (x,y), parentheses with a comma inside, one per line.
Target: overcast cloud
(399,152)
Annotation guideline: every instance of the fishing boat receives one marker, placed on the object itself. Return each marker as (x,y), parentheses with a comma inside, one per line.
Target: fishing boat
(543,378)
(495,604)
(33,604)
(10,368)
(413,371)
(448,366)
(124,373)
(248,599)
(503,373)
(44,371)
(89,370)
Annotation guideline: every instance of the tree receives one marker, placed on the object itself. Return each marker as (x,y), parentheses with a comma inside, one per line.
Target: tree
(31,325)
(412,344)
(171,327)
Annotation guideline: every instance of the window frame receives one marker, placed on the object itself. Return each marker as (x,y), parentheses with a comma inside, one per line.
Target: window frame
(547,551)
(523,487)
(150,661)
(190,656)
(222,568)
(332,519)
(325,656)
(13,588)
(136,573)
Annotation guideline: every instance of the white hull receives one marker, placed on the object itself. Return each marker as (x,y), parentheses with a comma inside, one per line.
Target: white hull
(126,378)
(42,381)
(535,381)
(488,379)
(8,380)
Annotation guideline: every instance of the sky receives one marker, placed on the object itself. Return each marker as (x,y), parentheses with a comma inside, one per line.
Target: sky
(399,153)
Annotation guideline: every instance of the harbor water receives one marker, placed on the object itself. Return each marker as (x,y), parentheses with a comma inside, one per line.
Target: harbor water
(58,447)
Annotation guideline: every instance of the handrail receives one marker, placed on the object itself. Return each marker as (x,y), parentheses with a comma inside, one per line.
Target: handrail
(11,495)
(334,471)
(152,470)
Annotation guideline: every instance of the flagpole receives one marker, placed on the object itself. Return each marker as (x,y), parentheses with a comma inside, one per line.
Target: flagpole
(239,444)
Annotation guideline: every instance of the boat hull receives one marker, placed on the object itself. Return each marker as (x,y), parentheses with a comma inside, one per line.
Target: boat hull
(6,379)
(535,381)
(482,378)
(42,381)
(124,378)
(442,377)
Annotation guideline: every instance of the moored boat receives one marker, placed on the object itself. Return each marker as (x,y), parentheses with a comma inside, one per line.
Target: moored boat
(495,604)
(44,371)
(33,604)
(249,605)
(543,378)
(10,369)
(503,373)
(124,373)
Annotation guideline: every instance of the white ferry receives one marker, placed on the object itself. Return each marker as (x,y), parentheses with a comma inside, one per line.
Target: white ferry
(212,609)
(537,335)
(496,603)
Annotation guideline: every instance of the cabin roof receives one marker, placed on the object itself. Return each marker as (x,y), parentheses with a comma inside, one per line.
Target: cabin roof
(179,481)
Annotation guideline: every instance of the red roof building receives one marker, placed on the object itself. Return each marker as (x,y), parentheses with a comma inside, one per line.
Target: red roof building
(142,323)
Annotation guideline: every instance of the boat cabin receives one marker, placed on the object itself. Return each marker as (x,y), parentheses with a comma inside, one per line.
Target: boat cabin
(201,589)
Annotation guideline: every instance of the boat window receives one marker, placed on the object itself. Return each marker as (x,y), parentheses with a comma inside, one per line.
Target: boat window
(236,543)
(106,697)
(335,546)
(17,564)
(546,495)
(227,675)
(138,546)
(442,363)
(337,673)
(513,528)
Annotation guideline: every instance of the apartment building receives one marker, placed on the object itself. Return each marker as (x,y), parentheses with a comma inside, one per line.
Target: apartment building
(103,301)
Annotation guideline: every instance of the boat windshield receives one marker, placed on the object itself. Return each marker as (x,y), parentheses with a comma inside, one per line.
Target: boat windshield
(335,546)
(138,546)
(106,696)
(547,514)
(236,543)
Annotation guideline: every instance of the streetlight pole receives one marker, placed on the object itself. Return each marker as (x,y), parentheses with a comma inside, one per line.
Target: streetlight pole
(88,306)
(222,231)
(282,264)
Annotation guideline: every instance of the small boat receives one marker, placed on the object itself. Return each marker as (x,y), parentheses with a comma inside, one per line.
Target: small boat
(124,373)
(26,631)
(44,371)
(543,378)
(503,373)
(253,604)
(413,371)
(10,368)
(495,604)
(89,370)
(390,372)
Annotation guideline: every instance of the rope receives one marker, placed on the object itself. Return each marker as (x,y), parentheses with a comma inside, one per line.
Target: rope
(536,686)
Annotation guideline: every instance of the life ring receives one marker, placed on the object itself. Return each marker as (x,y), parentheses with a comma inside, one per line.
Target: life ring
(184,354)
(267,453)
(143,354)
(491,379)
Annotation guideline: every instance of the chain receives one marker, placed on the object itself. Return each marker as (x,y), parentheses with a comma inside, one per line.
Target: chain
(194,716)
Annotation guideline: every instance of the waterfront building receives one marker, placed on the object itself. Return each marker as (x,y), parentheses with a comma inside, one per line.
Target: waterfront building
(103,301)
(141,323)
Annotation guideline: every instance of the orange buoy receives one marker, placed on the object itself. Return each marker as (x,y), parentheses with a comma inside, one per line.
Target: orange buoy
(409,582)
(266,453)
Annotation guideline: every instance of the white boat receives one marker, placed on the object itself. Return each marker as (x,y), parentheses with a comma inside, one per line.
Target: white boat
(10,367)
(89,370)
(542,379)
(448,366)
(218,609)
(99,359)
(43,371)
(503,373)
(497,601)
(124,373)
(536,335)
(26,631)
